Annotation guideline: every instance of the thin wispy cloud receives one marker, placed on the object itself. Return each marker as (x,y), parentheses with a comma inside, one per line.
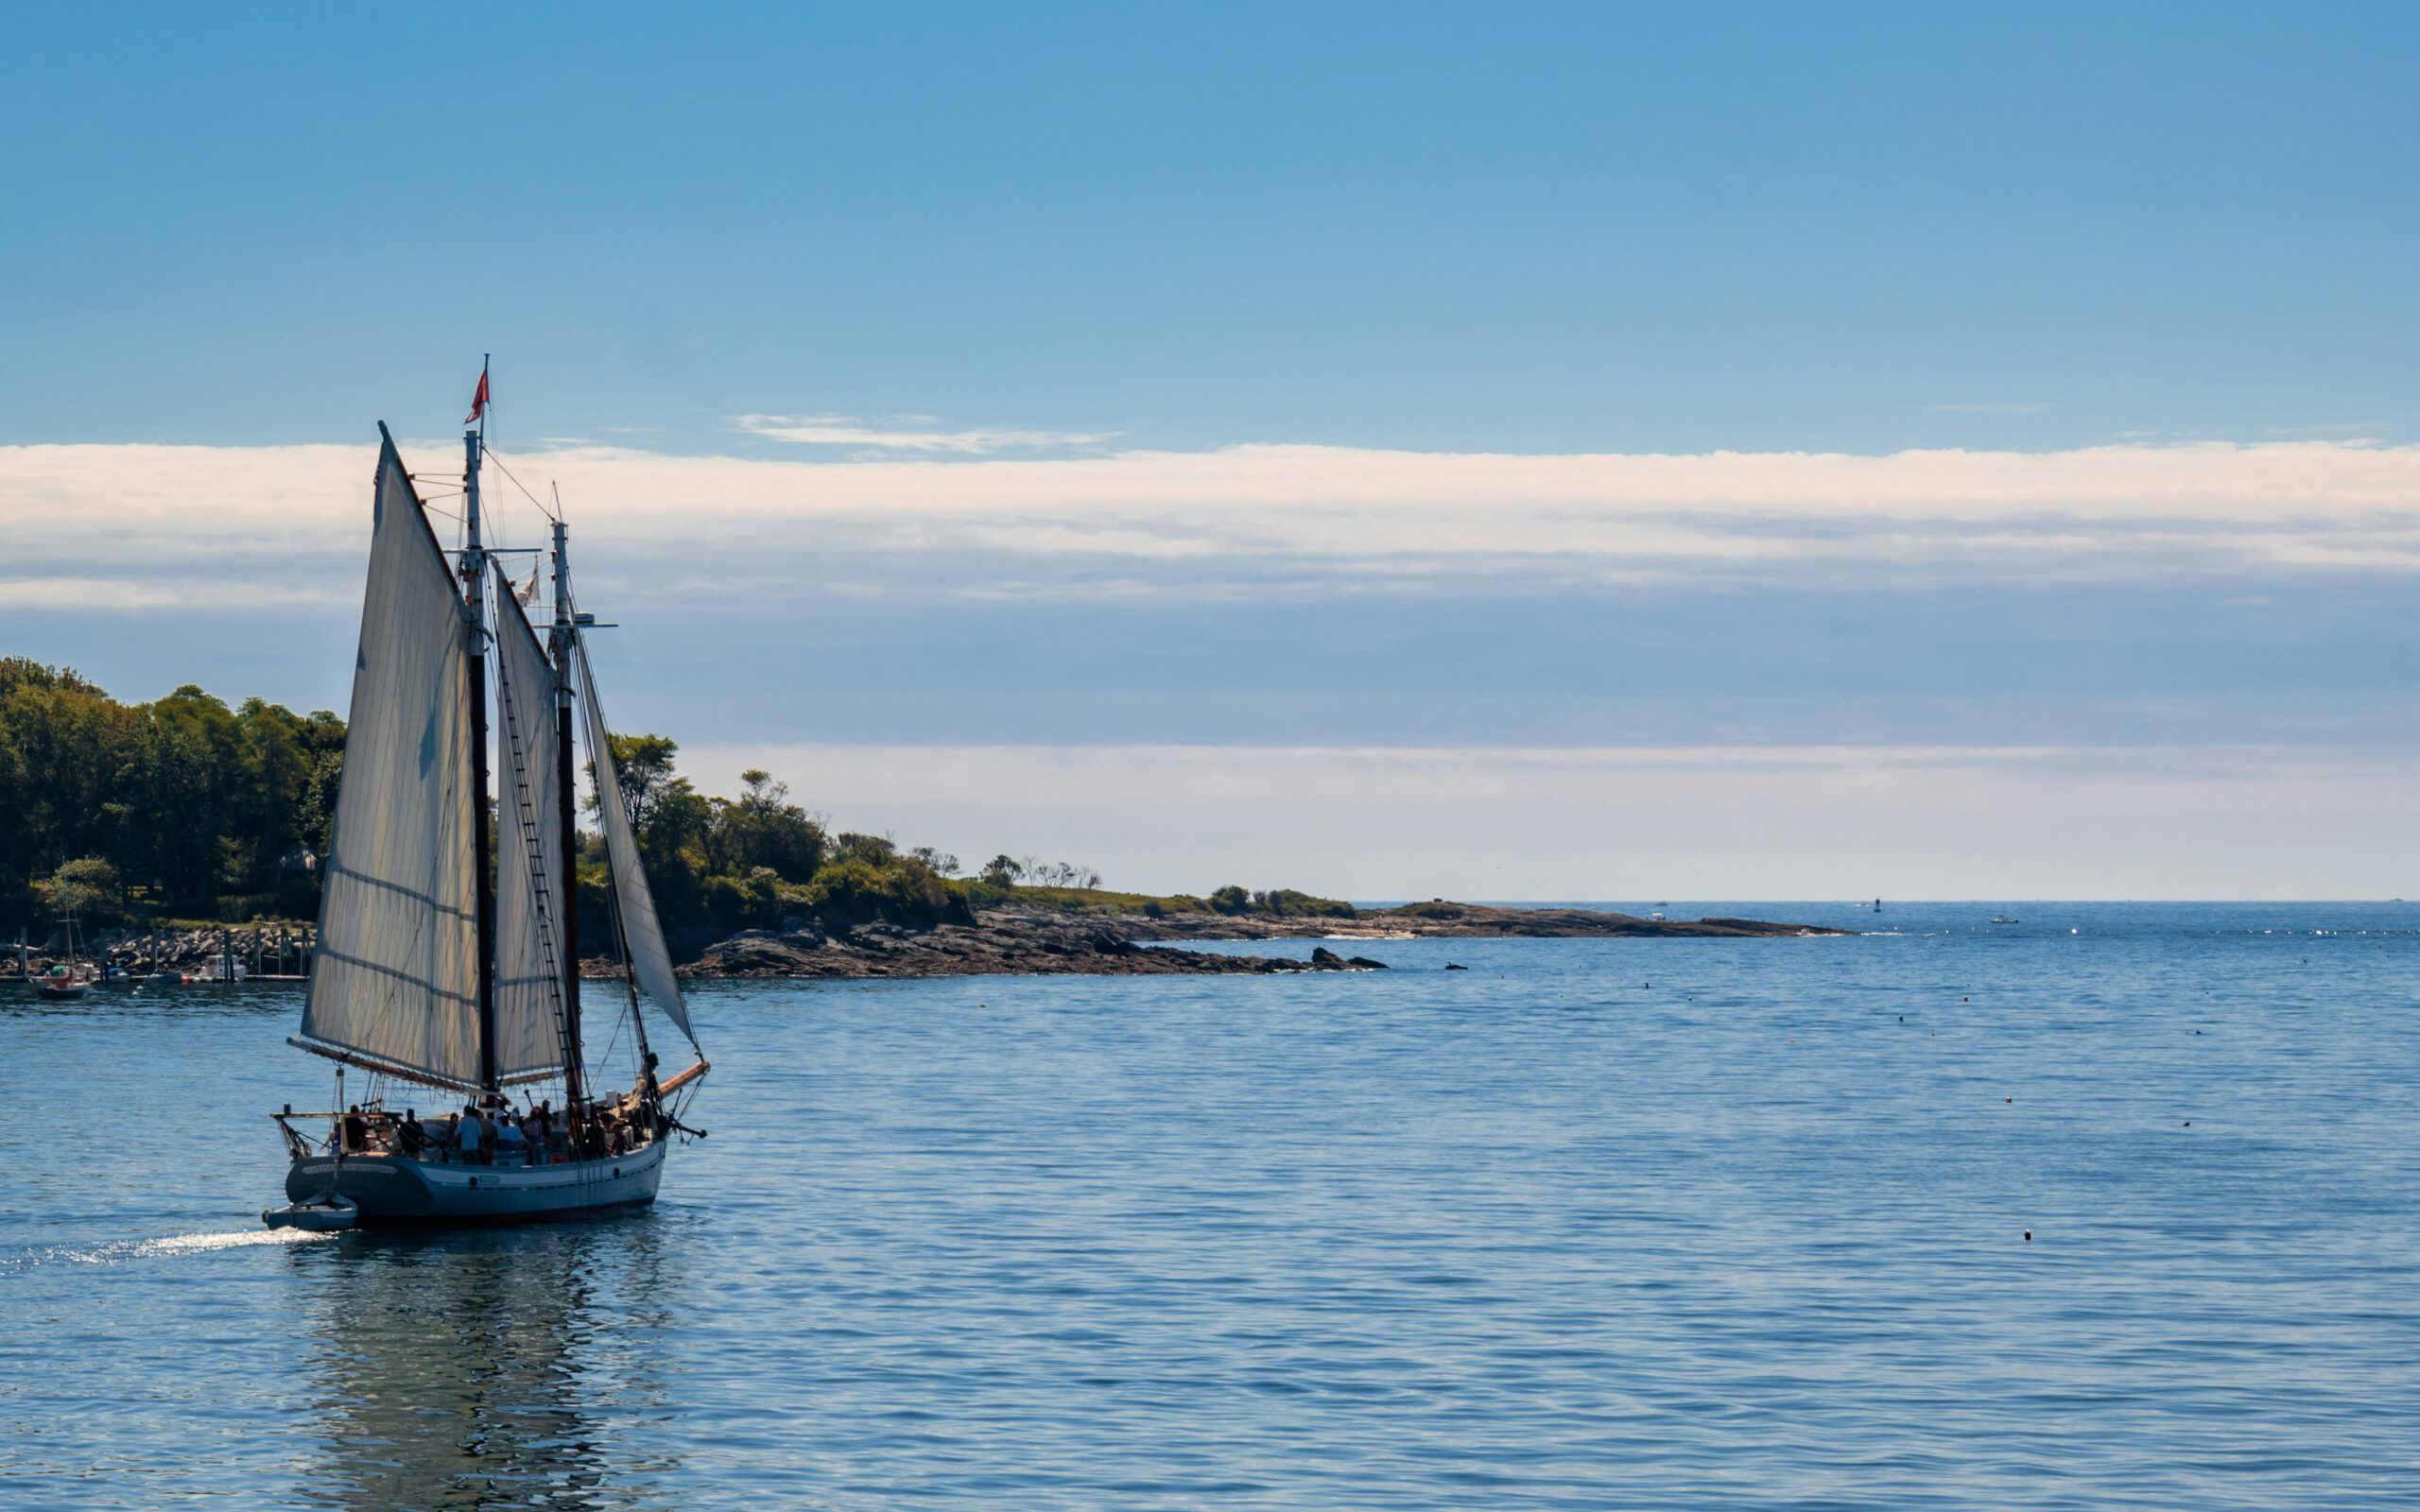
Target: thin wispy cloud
(1273,520)
(1988,409)
(169,594)
(854,431)
(2367,428)
(1676,822)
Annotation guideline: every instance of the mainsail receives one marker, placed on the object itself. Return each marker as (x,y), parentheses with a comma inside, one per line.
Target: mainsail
(529,855)
(395,978)
(651,963)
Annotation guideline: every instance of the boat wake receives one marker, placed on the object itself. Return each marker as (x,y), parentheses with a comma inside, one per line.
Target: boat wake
(124,1250)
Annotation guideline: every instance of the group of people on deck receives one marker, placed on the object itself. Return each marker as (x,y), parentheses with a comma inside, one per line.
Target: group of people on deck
(496,1134)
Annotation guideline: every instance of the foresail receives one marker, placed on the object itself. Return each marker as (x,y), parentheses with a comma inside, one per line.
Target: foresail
(528,854)
(395,977)
(651,963)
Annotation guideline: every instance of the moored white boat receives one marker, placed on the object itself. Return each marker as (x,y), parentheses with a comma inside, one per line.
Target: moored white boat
(67,981)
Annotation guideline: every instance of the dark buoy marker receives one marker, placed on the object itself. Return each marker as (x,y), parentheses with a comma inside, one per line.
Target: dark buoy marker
(2029,1236)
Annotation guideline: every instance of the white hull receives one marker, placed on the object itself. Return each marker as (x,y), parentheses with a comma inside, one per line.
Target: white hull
(393,1192)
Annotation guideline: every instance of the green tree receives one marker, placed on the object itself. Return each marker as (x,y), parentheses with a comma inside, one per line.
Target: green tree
(874,850)
(643,770)
(187,767)
(84,887)
(763,829)
(187,799)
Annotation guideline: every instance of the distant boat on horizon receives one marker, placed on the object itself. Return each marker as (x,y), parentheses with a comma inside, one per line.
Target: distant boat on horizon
(435,974)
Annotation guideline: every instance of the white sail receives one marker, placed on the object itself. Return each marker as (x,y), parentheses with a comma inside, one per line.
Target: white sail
(651,963)
(530,890)
(395,978)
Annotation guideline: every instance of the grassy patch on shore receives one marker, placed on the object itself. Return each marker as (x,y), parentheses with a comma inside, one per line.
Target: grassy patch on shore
(1233,902)
(1434,908)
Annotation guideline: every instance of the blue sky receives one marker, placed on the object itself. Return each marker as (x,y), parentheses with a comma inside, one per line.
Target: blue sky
(1096,370)
(1529,228)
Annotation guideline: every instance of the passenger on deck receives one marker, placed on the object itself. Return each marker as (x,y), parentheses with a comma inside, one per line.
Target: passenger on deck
(356,1131)
(508,1135)
(472,1134)
(411,1140)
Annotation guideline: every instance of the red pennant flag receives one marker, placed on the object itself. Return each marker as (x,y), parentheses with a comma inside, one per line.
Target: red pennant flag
(479,400)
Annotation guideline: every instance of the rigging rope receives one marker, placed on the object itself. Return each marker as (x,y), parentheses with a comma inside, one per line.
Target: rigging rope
(550,514)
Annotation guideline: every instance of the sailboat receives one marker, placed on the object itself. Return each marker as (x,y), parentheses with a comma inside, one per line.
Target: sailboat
(65,982)
(447,970)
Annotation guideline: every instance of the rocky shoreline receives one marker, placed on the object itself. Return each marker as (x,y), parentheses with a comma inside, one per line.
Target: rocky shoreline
(1029,942)
(1450,921)
(1017,939)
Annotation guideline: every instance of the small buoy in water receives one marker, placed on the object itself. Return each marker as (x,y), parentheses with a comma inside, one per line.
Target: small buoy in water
(2008,1099)
(2029,1236)
(2189,1122)
(1966,1000)
(1647,984)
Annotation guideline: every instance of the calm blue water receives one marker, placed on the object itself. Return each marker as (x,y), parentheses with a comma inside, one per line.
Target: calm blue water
(1537,1234)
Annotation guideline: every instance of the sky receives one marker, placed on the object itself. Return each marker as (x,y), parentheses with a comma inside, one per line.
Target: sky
(1395,450)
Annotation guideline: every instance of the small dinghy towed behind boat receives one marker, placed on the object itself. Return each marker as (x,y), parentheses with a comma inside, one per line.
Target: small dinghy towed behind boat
(453,984)
(326,1213)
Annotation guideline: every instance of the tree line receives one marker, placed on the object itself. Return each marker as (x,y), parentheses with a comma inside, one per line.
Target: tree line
(185,808)
(180,807)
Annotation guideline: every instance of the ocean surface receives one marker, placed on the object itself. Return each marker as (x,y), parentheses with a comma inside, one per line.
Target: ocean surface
(1657,1223)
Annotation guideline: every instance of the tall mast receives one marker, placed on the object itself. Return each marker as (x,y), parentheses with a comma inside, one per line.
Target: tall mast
(474,577)
(567,891)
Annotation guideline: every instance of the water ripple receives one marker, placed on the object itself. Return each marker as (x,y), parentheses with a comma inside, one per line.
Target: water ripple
(1532,1235)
